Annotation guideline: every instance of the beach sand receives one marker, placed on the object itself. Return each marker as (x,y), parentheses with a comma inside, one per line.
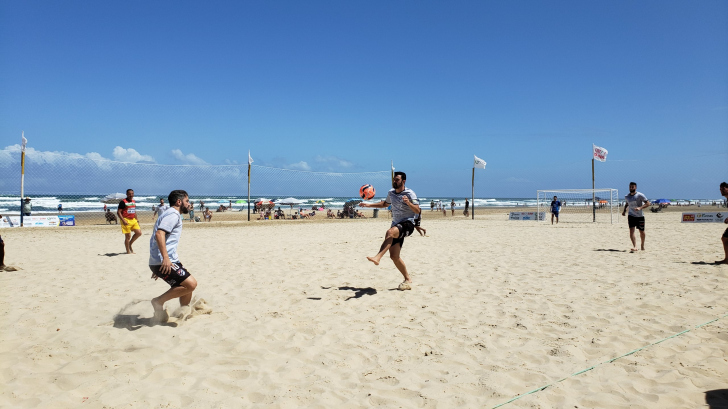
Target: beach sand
(294,316)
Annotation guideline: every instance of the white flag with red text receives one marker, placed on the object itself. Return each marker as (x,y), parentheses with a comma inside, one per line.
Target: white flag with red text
(600,154)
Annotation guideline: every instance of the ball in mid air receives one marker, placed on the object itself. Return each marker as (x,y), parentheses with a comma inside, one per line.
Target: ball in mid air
(367,192)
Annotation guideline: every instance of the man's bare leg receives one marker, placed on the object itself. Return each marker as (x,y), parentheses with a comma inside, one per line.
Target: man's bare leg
(2,255)
(634,241)
(421,231)
(127,236)
(137,234)
(552,218)
(183,292)
(394,255)
(386,244)
(725,249)
(642,239)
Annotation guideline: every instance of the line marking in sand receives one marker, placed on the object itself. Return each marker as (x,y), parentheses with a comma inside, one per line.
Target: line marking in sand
(607,362)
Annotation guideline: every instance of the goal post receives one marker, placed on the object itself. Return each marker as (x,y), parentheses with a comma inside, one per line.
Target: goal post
(581,205)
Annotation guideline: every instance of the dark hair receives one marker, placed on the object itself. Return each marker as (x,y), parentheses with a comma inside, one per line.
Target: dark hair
(404,175)
(632,183)
(176,195)
(724,185)
(129,190)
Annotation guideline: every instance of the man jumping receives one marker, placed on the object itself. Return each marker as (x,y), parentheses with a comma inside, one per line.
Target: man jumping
(404,208)
(635,201)
(129,221)
(163,260)
(724,239)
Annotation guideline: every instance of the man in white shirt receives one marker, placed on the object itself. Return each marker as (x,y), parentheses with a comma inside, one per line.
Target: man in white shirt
(724,238)
(163,259)
(635,202)
(404,208)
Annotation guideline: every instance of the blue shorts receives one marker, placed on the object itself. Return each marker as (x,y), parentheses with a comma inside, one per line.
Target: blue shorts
(555,214)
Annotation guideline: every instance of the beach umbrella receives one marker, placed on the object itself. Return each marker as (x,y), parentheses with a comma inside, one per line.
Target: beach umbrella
(223,201)
(289,201)
(114,198)
(264,203)
(661,201)
(240,201)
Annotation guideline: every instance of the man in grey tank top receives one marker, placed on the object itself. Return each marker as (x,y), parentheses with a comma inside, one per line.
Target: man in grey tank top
(404,208)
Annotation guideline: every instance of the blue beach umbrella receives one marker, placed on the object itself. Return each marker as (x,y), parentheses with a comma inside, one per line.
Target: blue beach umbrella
(662,201)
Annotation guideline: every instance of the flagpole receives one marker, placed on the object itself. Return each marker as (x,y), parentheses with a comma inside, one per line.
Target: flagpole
(472,195)
(22,177)
(392,171)
(248,185)
(594,206)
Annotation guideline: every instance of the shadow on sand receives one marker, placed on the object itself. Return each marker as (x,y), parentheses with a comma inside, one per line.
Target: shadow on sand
(618,251)
(358,292)
(111,254)
(133,322)
(717,398)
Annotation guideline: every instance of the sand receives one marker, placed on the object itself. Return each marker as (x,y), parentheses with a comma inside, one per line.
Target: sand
(292,315)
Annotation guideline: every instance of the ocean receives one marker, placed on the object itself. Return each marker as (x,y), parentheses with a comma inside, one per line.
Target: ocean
(48,204)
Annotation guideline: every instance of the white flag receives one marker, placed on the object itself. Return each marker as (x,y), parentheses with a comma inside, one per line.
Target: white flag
(479,163)
(250,160)
(24,142)
(600,154)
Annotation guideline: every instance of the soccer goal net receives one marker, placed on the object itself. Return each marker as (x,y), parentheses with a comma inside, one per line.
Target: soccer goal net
(580,205)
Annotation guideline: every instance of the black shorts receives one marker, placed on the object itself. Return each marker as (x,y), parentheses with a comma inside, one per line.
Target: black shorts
(418,220)
(638,222)
(725,234)
(405,229)
(177,274)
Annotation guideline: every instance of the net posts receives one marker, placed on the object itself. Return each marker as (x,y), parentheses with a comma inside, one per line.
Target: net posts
(22,173)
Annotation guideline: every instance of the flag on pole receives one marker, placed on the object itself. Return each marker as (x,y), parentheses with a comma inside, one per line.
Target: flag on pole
(250,160)
(24,142)
(600,154)
(479,163)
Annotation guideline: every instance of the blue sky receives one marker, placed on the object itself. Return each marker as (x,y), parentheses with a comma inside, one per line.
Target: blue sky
(350,86)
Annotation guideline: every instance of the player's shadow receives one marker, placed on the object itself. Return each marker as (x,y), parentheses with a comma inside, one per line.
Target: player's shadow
(614,250)
(111,254)
(701,263)
(133,322)
(717,398)
(358,292)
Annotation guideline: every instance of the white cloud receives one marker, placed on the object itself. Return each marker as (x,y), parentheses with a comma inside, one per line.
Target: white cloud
(189,159)
(231,162)
(300,166)
(131,155)
(333,160)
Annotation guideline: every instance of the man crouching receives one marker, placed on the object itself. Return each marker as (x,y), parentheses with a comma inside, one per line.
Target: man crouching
(163,260)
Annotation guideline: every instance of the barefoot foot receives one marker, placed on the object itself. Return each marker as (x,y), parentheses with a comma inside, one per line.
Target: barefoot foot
(406,285)
(373,260)
(160,315)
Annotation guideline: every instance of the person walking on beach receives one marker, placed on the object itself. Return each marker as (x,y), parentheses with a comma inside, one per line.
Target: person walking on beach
(405,206)
(418,222)
(129,223)
(161,208)
(60,208)
(163,259)
(466,212)
(635,202)
(724,239)
(555,208)
(27,207)
(452,207)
